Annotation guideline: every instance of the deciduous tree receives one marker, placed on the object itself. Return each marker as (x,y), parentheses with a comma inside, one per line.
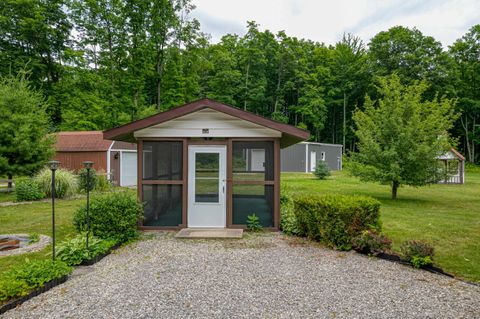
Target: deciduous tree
(401,134)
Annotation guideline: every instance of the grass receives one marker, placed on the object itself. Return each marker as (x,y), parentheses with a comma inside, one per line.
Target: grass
(7,197)
(447,216)
(37,218)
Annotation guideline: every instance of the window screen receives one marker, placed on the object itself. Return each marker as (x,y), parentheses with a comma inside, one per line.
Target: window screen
(253,199)
(162,160)
(163,205)
(253,161)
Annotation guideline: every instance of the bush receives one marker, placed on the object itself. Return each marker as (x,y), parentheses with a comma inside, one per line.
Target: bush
(418,253)
(253,223)
(288,221)
(371,242)
(322,170)
(103,184)
(74,251)
(82,180)
(19,281)
(336,219)
(112,216)
(26,189)
(66,183)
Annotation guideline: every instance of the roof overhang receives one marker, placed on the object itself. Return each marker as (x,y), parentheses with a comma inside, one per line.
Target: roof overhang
(289,134)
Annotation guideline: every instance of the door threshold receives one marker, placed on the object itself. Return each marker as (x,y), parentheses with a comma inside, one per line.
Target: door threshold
(209,233)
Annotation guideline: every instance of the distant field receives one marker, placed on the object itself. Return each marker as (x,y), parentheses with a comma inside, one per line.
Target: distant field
(447,216)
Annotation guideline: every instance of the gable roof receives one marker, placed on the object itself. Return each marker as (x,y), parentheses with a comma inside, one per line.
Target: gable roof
(83,141)
(452,154)
(87,141)
(290,134)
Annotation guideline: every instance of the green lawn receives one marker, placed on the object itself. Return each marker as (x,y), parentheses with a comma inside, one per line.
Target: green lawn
(7,197)
(37,218)
(447,216)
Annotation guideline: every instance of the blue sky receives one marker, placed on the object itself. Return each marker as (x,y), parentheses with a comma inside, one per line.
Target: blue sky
(326,21)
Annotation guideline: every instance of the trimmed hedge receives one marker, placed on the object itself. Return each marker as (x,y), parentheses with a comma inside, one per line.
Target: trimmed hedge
(336,219)
(112,216)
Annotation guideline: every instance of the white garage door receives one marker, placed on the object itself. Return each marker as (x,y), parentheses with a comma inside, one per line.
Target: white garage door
(128,164)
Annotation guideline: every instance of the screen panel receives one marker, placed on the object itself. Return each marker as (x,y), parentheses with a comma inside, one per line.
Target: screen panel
(253,161)
(253,199)
(163,205)
(162,160)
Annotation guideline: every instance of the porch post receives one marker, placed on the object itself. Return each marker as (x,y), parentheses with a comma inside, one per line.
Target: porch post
(276,186)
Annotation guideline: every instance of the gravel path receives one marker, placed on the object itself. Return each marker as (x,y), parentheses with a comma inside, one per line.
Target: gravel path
(265,276)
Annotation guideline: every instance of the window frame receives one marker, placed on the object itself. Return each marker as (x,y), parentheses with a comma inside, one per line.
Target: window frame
(183,182)
(275,182)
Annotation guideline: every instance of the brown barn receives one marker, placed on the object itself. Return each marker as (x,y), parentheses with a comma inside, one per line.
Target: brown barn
(117,159)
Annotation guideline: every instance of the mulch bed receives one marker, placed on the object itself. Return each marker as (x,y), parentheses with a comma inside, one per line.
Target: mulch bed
(97,258)
(397,259)
(49,285)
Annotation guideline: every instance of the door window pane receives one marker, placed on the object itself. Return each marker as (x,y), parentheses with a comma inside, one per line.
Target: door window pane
(163,205)
(253,199)
(162,160)
(207,177)
(253,161)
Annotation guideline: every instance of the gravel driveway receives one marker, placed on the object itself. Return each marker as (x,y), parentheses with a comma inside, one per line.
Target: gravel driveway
(264,276)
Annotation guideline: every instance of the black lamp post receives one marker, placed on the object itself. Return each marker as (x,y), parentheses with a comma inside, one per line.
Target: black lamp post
(53,167)
(88,165)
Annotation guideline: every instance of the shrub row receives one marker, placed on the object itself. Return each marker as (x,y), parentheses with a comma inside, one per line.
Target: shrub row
(345,222)
(66,184)
(20,281)
(74,251)
(336,219)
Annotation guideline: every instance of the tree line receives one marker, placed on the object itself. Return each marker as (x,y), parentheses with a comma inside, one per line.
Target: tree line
(103,63)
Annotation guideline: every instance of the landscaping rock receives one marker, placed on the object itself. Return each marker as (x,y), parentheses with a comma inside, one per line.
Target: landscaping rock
(259,276)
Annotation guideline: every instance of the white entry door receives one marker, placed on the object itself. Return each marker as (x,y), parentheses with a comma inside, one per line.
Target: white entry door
(207,171)
(128,170)
(313,160)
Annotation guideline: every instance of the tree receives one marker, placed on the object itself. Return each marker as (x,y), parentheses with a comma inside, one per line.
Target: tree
(350,73)
(466,54)
(412,55)
(35,33)
(24,143)
(400,135)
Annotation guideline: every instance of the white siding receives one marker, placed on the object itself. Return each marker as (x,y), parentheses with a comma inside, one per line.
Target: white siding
(218,125)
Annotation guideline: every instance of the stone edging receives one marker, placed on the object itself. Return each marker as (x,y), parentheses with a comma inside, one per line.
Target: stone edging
(43,242)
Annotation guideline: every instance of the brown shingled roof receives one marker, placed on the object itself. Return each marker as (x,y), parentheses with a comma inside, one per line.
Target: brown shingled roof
(82,141)
(290,134)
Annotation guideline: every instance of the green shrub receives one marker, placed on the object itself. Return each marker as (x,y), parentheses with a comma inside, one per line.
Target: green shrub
(103,184)
(19,281)
(82,180)
(336,219)
(418,253)
(253,223)
(371,242)
(66,183)
(288,221)
(113,215)
(322,170)
(74,251)
(26,189)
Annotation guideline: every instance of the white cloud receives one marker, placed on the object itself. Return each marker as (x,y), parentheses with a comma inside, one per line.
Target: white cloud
(326,21)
